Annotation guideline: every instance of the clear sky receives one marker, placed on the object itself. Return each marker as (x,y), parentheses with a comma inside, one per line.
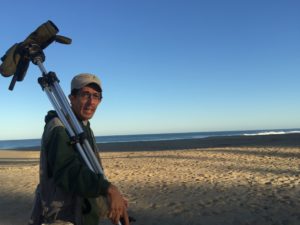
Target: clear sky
(166,65)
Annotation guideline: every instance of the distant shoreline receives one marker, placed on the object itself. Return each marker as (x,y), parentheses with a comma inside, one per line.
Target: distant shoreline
(285,140)
(282,140)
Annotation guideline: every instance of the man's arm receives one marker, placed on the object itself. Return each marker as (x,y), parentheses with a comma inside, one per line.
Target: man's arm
(71,174)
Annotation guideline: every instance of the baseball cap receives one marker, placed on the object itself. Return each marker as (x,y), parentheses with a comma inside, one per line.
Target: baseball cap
(83,79)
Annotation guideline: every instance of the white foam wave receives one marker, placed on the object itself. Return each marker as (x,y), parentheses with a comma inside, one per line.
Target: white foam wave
(200,136)
(273,132)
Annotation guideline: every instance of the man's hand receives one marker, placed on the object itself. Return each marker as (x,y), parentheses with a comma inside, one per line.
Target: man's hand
(118,206)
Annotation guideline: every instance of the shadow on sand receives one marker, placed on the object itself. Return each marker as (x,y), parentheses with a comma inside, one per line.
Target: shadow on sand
(189,205)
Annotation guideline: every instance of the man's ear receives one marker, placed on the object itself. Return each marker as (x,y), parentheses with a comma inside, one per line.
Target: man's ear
(71,98)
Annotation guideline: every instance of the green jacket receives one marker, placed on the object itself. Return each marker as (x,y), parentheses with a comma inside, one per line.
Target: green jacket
(63,169)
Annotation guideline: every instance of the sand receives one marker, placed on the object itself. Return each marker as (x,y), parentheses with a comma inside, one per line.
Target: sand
(200,186)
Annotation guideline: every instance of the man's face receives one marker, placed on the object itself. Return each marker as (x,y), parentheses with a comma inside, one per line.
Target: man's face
(85,103)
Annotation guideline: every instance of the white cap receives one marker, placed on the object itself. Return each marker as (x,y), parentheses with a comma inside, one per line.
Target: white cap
(83,79)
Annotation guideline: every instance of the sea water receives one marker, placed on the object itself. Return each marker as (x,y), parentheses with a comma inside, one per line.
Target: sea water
(33,143)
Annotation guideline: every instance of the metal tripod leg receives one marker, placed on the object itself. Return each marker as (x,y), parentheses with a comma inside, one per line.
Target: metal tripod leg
(74,129)
(67,126)
(77,127)
(66,115)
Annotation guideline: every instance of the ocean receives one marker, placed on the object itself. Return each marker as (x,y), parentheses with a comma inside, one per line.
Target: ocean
(33,143)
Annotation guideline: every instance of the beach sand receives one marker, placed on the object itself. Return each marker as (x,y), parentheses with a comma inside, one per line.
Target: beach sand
(255,185)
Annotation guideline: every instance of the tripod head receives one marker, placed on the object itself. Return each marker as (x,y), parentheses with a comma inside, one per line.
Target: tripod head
(17,58)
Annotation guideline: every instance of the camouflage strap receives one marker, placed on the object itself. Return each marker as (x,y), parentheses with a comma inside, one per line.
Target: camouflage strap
(59,222)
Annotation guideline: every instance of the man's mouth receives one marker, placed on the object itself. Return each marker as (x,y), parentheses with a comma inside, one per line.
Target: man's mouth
(89,110)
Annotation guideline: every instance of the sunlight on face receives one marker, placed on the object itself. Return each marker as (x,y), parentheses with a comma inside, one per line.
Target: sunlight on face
(85,103)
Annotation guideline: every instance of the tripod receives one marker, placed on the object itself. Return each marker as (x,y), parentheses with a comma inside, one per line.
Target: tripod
(16,62)
(50,84)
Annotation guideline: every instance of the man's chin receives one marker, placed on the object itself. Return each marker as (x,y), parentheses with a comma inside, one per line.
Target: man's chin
(87,116)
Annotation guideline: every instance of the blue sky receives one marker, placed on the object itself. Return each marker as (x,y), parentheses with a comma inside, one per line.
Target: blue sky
(166,65)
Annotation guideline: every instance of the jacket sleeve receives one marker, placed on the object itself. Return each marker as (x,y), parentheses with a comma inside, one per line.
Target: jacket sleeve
(69,170)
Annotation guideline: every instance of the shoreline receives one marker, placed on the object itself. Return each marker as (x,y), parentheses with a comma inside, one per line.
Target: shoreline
(275,140)
(285,140)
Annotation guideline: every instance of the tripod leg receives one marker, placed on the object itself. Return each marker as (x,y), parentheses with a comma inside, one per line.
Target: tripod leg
(61,104)
(77,127)
(67,126)
(64,111)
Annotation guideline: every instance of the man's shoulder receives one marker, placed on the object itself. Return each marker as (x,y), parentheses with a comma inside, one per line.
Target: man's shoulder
(53,128)
(54,122)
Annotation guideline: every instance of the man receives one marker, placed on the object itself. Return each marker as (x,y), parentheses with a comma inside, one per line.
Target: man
(69,191)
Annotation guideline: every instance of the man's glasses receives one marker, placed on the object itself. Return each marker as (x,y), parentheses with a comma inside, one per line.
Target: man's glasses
(86,96)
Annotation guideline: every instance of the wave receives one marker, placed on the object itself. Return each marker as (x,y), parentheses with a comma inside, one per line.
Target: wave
(273,133)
